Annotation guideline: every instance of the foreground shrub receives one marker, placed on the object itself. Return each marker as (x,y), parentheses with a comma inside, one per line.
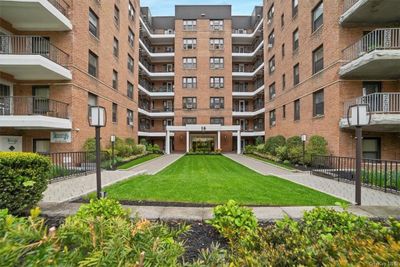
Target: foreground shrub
(105,207)
(273,143)
(250,149)
(23,179)
(294,149)
(317,145)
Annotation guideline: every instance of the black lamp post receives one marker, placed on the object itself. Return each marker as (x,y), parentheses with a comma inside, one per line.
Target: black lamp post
(113,152)
(303,140)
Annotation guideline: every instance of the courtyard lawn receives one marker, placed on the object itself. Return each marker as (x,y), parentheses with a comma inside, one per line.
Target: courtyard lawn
(138,161)
(215,180)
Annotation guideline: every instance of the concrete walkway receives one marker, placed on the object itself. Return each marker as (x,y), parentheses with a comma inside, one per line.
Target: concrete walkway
(370,197)
(74,188)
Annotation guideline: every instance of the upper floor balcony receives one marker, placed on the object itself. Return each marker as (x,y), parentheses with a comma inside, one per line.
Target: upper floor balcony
(29,112)
(247,52)
(166,36)
(248,111)
(246,35)
(156,113)
(36,15)
(370,12)
(156,56)
(242,71)
(385,111)
(248,91)
(164,73)
(156,92)
(375,56)
(32,58)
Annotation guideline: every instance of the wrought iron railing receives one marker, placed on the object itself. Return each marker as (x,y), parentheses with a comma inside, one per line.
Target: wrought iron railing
(32,45)
(378,174)
(30,105)
(160,89)
(61,5)
(379,103)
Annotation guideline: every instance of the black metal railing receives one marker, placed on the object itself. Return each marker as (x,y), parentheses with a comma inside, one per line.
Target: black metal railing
(30,105)
(378,174)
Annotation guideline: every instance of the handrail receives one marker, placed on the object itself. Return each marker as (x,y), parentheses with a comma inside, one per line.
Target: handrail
(384,103)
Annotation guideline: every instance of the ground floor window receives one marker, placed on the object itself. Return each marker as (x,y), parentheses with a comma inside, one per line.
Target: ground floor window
(41,146)
(372,148)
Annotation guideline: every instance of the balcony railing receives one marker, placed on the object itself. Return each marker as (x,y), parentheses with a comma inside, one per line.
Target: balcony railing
(153,110)
(246,49)
(379,103)
(30,105)
(61,6)
(380,39)
(32,45)
(348,4)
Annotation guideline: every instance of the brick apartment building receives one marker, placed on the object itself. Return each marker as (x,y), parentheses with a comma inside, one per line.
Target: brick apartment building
(200,77)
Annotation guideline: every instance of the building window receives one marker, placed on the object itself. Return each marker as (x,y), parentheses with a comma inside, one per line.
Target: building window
(318,59)
(189,82)
(295,7)
(116,47)
(93,64)
(114,113)
(318,103)
(295,40)
(92,100)
(271,39)
(284,111)
(93,23)
(216,44)
(130,63)
(271,65)
(283,82)
(371,148)
(189,63)
(115,79)
(189,43)
(189,120)
(283,50)
(371,88)
(282,20)
(318,16)
(296,74)
(272,91)
(131,38)
(216,63)
(189,102)
(189,25)
(216,102)
(272,118)
(216,82)
(297,110)
(131,11)
(116,16)
(129,117)
(129,90)
(217,120)
(270,14)
(216,25)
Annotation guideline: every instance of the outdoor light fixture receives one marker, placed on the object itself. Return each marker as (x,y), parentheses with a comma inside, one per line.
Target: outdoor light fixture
(304,140)
(358,116)
(113,137)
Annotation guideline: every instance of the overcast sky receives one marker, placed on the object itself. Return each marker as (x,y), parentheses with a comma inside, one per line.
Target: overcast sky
(167,7)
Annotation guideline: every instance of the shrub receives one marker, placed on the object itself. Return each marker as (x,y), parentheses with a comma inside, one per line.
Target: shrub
(317,145)
(143,141)
(250,149)
(105,207)
(138,149)
(273,143)
(89,145)
(281,153)
(294,149)
(259,141)
(23,179)
(156,149)
(260,148)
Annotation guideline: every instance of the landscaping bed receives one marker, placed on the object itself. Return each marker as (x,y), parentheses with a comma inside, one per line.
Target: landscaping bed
(136,161)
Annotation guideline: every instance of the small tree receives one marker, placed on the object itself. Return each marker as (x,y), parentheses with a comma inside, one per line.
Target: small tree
(273,143)
(317,145)
(294,149)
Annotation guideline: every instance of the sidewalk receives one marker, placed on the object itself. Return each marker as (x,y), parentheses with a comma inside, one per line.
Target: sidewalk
(370,197)
(74,188)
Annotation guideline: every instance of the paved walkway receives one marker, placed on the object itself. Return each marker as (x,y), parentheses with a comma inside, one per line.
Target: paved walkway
(74,188)
(370,197)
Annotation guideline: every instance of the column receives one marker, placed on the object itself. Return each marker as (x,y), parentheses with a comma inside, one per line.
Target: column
(167,140)
(219,140)
(239,143)
(187,142)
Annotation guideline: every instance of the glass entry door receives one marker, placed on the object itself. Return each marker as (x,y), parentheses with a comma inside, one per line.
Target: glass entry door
(5,99)
(41,105)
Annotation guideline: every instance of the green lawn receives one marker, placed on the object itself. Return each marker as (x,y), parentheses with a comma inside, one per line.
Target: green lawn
(285,166)
(216,179)
(137,161)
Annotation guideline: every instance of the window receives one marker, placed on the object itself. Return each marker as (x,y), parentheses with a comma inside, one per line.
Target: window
(282,20)
(216,102)
(271,39)
(129,90)
(115,47)
(130,63)
(318,103)
(295,7)
(217,82)
(272,118)
(271,65)
(93,64)
(115,80)
(283,81)
(189,63)
(371,88)
(295,40)
(272,91)
(93,23)
(297,110)
(270,14)
(189,82)
(216,25)
(296,74)
(129,117)
(318,16)
(217,120)
(216,62)
(131,11)
(131,38)
(92,100)
(284,111)
(371,148)
(189,120)
(283,50)
(318,59)
(189,25)
(189,102)
(116,16)
(189,43)
(114,113)
(216,44)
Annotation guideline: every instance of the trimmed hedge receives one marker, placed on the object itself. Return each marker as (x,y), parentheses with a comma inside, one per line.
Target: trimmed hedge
(23,179)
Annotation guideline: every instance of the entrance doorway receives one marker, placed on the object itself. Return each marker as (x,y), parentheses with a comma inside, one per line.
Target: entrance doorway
(41,146)
(203,144)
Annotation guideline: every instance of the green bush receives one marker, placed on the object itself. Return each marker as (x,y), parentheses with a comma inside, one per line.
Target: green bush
(317,145)
(105,207)
(281,153)
(294,149)
(250,149)
(260,148)
(23,179)
(273,143)
(89,145)
(259,140)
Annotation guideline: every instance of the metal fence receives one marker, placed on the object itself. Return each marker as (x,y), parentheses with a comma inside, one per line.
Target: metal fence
(377,174)
(379,103)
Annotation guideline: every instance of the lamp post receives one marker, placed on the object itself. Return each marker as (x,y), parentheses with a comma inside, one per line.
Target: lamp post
(97,119)
(303,140)
(358,116)
(113,152)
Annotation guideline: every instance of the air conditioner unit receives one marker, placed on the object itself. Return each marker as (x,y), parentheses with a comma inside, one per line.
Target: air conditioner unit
(269,21)
(189,106)
(241,31)
(217,106)
(131,123)
(270,45)
(170,31)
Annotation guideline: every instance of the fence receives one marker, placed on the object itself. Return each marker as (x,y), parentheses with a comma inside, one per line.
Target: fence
(382,103)
(377,174)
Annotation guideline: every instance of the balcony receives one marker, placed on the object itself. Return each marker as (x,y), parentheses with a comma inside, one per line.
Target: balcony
(33,58)
(157,57)
(156,113)
(244,36)
(241,92)
(36,15)
(248,111)
(250,133)
(370,12)
(240,53)
(167,37)
(28,112)
(248,73)
(375,56)
(152,73)
(385,111)
(156,92)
